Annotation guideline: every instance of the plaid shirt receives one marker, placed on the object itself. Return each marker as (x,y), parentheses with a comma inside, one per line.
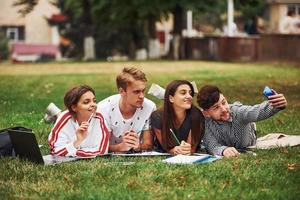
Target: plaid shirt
(238,131)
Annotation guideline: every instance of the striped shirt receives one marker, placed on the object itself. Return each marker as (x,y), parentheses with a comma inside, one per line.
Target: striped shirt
(238,131)
(63,135)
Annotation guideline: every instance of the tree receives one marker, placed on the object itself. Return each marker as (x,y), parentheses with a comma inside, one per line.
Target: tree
(81,23)
(136,18)
(178,8)
(151,12)
(27,5)
(251,8)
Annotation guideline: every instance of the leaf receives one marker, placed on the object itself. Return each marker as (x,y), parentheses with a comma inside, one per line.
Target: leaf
(292,166)
(280,121)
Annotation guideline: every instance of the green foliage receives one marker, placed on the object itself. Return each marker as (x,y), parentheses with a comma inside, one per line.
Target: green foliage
(210,14)
(122,25)
(26,90)
(251,8)
(3,46)
(26,5)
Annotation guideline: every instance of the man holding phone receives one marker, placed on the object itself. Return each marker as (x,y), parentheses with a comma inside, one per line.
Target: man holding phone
(230,128)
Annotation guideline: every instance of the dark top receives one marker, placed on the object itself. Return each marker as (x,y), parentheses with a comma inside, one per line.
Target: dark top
(181,133)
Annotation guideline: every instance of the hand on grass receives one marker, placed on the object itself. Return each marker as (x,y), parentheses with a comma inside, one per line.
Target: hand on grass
(230,152)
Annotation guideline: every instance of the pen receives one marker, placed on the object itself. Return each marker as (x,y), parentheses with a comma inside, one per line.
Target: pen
(247,151)
(175,136)
(90,119)
(251,152)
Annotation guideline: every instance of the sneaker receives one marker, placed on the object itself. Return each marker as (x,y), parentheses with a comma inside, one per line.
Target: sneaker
(194,86)
(157,91)
(52,112)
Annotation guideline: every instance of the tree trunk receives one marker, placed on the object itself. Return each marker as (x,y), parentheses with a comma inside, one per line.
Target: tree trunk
(139,41)
(178,25)
(89,41)
(89,48)
(153,42)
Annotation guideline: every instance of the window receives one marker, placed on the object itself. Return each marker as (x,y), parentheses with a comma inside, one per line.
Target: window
(12,34)
(295,8)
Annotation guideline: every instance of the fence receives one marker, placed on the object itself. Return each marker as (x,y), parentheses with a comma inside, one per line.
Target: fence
(266,47)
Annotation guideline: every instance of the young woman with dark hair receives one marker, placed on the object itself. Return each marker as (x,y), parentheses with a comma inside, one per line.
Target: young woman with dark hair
(80,130)
(178,126)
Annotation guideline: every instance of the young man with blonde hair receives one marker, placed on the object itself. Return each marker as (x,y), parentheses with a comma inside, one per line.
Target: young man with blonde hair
(128,113)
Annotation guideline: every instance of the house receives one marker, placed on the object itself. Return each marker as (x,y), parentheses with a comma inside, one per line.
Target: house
(278,10)
(31,36)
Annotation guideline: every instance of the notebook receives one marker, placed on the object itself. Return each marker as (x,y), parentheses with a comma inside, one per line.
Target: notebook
(184,159)
(26,147)
(146,153)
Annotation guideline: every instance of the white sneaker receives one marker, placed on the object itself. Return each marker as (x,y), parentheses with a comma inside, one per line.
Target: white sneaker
(51,113)
(157,91)
(194,86)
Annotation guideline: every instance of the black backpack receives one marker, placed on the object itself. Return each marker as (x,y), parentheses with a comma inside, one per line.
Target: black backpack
(6,147)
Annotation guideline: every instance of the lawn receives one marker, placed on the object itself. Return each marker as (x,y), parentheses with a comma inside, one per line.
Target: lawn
(27,89)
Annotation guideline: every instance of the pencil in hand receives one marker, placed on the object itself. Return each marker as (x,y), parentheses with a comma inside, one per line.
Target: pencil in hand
(175,136)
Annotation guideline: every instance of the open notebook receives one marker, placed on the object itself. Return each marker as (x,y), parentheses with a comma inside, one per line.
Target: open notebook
(184,159)
(146,153)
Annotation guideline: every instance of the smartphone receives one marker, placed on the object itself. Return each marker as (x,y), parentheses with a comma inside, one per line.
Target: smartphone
(268,92)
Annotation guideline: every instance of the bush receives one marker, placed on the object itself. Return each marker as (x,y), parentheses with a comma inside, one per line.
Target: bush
(3,46)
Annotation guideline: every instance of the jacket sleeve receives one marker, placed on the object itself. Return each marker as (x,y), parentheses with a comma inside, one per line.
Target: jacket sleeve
(88,152)
(211,143)
(60,138)
(255,113)
(98,146)
(62,146)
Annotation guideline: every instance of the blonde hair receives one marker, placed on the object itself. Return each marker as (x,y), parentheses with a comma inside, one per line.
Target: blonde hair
(129,75)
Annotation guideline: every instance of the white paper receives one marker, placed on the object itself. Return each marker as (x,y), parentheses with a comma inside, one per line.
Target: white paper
(146,153)
(184,159)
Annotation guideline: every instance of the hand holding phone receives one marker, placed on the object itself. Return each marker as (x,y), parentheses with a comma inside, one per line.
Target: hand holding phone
(268,92)
(276,100)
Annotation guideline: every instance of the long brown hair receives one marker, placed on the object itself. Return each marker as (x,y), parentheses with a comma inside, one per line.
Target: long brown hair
(169,116)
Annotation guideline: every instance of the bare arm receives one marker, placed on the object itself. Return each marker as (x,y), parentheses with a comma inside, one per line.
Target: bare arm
(147,141)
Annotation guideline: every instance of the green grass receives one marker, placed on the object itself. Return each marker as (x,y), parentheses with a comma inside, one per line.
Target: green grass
(26,90)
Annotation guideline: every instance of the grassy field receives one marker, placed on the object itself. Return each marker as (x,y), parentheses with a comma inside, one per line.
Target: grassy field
(26,90)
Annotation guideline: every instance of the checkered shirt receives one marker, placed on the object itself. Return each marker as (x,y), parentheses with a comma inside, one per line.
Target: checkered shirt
(239,130)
